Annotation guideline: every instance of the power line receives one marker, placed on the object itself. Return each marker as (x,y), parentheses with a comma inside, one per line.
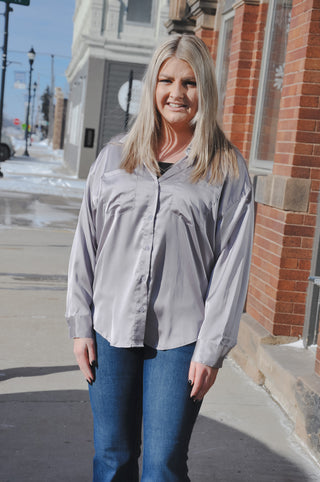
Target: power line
(41,53)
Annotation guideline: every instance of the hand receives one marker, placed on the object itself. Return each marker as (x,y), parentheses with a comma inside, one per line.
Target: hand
(85,353)
(201,377)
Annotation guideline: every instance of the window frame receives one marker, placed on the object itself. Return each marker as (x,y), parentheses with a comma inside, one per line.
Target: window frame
(140,24)
(262,165)
(225,16)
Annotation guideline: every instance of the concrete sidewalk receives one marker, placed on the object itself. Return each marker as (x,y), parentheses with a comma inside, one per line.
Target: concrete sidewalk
(45,419)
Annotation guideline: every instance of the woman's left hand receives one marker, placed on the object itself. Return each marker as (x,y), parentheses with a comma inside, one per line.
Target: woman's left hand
(201,377)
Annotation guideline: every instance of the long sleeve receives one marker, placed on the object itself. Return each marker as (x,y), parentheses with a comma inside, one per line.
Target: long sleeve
(229,279)
(81,268)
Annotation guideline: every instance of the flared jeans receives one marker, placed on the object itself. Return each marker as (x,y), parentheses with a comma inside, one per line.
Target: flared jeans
(135,387)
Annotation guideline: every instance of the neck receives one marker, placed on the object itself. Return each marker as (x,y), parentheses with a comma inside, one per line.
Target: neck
(173,142)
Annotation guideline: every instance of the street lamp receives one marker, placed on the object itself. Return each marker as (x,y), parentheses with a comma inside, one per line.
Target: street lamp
(31,56)
(35,85)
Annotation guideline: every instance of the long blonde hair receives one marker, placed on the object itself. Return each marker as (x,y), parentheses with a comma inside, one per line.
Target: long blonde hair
(211,152)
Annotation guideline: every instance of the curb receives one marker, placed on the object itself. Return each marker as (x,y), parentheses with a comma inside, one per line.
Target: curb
(288,375)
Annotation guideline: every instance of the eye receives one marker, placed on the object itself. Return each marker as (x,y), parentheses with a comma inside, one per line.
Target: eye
(164,81)
(193,83)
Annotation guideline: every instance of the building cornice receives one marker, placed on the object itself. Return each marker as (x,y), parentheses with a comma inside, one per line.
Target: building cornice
(121,50)
(200,7)
(239,3)
(185,25)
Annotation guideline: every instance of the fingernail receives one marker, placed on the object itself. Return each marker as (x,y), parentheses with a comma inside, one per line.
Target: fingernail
(89,381)
(93,363)
(190,382)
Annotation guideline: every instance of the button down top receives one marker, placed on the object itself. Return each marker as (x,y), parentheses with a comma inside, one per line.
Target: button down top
(161,261)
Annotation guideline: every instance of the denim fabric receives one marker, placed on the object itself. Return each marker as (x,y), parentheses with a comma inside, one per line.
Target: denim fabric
(135,382)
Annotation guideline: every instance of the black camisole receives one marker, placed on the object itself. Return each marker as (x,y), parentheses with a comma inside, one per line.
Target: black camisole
(164,166)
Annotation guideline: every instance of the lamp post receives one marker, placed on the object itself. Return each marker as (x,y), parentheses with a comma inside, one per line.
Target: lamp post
(31,56)
(35,85)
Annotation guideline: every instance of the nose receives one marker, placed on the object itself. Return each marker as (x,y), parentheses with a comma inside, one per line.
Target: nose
(177,90)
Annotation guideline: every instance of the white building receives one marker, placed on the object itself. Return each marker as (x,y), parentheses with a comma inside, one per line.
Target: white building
(112,39)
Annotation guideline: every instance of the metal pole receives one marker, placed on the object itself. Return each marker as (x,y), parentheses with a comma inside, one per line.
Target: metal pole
(26,153)
(51,113)
(33,103)
(4,61)
(4,66)
(128,100)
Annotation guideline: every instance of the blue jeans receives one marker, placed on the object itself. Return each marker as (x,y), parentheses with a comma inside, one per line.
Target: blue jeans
(135,383)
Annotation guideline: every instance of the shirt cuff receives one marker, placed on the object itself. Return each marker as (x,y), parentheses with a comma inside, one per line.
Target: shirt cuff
(80,326)
(210,354)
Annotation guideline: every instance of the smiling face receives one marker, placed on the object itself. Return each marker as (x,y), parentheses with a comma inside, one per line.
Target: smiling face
(176,94)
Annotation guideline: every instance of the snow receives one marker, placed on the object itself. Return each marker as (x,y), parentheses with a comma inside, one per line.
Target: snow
(299,344)
(44,172)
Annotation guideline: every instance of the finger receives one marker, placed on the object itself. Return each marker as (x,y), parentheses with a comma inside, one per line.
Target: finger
(208,381)
(82,357)
(92,352)
(198,381)
(205,377)
(191,373)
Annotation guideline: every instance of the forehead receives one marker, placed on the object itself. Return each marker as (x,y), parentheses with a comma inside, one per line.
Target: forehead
(175,66)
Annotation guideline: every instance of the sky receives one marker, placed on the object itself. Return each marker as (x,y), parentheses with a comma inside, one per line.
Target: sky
(47,26)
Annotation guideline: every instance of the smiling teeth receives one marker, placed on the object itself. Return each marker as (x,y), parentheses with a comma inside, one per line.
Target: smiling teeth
(176,105)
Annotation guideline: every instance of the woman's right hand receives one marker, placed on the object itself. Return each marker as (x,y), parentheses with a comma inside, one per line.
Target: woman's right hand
(85,353)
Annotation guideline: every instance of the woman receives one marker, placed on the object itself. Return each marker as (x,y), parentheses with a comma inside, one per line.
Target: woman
(159,268)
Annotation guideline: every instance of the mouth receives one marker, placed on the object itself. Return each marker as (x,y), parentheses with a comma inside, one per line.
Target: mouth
(174,105)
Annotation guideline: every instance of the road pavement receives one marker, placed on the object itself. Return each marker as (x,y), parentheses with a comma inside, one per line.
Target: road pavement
(45,419)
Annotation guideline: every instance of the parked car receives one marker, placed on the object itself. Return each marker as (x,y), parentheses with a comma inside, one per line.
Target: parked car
(6,148)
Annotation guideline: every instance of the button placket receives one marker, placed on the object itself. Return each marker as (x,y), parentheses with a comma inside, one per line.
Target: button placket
(144,265)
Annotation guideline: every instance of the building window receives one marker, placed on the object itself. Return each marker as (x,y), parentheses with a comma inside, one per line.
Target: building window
(223,54)
(139,11)
(270,84)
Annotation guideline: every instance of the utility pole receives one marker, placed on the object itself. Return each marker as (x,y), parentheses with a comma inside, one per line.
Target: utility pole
(31,55)
(4,60)
(51,112)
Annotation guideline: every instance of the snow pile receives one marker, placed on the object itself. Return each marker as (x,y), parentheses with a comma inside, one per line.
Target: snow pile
(299,344)
(43,172)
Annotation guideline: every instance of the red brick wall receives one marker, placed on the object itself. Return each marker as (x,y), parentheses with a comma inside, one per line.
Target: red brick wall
(214,47)
(280,269)
(283,239)
(207,36)
(244,69)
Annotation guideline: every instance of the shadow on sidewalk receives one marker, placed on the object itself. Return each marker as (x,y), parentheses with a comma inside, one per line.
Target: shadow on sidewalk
(9,373)
(47,436)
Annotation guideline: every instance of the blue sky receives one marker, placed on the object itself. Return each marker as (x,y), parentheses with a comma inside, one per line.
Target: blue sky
(45,25)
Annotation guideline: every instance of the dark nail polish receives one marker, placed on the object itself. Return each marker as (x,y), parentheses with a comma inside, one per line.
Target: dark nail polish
(190,382)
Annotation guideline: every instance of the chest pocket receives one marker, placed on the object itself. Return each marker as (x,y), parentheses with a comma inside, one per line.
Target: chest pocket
(194,203)
(118,192)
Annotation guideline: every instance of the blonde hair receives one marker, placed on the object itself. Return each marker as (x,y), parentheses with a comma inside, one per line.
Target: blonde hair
(211,152)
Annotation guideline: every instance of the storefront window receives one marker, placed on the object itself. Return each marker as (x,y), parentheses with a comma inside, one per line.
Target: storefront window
(270,84)
(139,11)
(224,50)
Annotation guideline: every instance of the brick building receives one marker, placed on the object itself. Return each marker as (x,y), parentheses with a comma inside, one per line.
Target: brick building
(267,57)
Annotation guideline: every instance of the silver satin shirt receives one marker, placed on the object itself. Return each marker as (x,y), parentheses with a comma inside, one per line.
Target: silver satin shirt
(161,261)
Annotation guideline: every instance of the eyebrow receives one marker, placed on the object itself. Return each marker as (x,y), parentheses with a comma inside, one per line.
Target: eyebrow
(169,77)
